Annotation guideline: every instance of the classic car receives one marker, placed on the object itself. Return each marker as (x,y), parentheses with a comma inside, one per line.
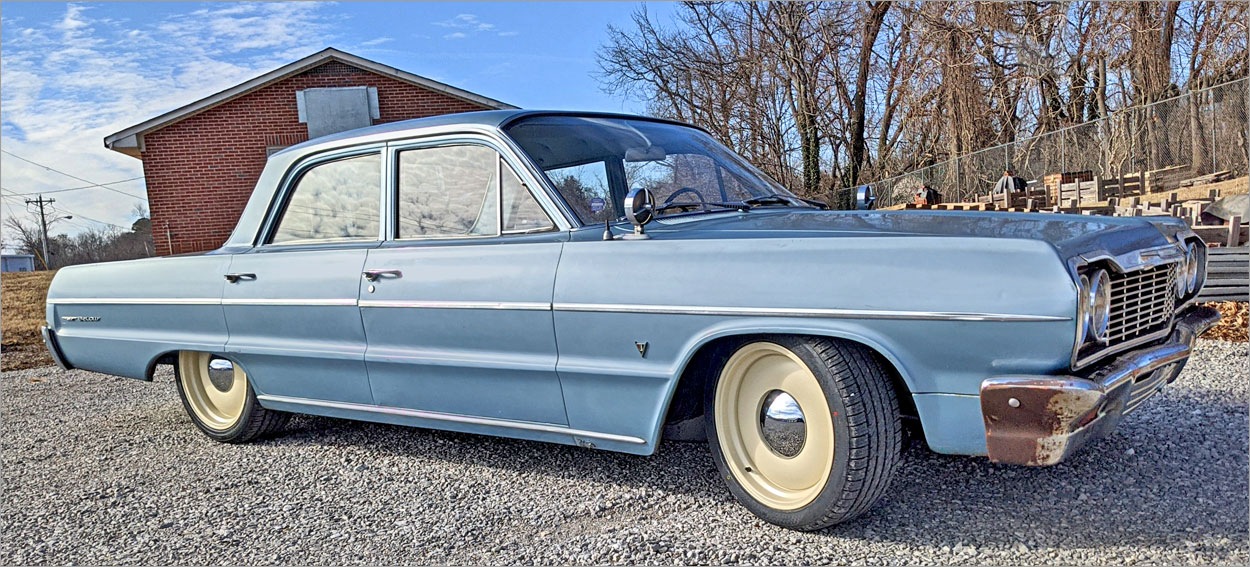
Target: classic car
(612,281)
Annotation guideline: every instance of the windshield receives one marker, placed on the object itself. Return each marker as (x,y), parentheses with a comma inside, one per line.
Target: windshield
(594,162)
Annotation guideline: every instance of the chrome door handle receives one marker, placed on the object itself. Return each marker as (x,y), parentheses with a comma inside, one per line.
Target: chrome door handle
(375,275)
(234,278)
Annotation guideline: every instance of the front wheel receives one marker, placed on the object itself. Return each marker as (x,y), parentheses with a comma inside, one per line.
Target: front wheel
(805,431)
(216,394)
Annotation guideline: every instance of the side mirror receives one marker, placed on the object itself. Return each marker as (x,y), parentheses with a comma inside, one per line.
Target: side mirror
(639,209)
(865,199)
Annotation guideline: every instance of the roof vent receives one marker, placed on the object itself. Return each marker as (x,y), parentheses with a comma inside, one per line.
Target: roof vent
(335,109)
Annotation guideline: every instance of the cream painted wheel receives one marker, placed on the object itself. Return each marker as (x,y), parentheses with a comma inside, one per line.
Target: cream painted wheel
(805,431)
(215,389)
(759,388)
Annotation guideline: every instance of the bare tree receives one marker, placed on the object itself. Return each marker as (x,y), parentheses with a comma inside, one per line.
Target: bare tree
(801,88)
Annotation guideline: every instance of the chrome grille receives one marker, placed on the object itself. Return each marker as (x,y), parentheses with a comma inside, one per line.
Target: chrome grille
(1147,386)
(1141,302)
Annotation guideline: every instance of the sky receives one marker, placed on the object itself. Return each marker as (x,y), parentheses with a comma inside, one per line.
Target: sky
(73,73)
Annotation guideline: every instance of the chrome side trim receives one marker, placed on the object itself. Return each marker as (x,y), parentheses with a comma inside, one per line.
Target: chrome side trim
(346,302)
(802,312)
(588,307)
(134,301)
(525,425)
(505,305)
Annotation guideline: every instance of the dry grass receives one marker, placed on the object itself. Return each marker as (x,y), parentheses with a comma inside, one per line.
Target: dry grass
(22,297)
(1234,322)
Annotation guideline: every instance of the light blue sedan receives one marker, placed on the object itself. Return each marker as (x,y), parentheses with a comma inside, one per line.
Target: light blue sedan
(611,281)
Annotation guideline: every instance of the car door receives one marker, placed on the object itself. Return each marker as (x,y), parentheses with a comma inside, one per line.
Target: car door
(290,301)
(458,312)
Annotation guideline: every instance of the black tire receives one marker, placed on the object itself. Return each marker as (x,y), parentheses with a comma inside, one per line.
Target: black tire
(868,433)
(254,421)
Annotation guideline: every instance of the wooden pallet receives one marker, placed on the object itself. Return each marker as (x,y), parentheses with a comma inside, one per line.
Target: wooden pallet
(1228,274)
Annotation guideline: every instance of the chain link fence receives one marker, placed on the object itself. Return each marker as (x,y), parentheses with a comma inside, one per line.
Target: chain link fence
(1198,133)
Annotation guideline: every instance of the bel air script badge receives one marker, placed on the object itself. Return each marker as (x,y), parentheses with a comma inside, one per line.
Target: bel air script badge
(82,319)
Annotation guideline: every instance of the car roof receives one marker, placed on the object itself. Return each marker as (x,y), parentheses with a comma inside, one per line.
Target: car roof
(486,118)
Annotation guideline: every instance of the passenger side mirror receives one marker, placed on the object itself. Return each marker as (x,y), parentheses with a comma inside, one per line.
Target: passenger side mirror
(640,210)
(865,199)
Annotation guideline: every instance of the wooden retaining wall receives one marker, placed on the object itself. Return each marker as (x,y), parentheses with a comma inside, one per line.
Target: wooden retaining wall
(1228,274)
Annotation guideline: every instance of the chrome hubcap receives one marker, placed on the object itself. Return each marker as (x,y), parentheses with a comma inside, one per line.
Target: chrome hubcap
(221,374)
(782,426)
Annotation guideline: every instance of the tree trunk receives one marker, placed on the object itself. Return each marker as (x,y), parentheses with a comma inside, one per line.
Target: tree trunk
(876,16)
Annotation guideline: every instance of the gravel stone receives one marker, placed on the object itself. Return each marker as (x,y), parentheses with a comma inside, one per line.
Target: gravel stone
(103,470)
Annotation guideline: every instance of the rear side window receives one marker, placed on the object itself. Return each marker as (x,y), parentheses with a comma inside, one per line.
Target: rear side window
(333,201)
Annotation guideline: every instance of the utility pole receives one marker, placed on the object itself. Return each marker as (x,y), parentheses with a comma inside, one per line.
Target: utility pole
(43,223)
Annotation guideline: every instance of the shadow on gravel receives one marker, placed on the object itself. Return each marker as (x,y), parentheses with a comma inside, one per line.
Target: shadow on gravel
(1151,480)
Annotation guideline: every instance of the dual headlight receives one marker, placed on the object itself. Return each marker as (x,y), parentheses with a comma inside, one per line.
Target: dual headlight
(1189,272)
(1095,305)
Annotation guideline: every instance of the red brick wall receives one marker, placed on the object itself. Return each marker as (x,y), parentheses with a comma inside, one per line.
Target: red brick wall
(201,170)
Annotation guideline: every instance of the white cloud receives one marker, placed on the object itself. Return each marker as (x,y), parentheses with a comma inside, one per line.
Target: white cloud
(376,41)
(467,24)
(73,80)
(507,33)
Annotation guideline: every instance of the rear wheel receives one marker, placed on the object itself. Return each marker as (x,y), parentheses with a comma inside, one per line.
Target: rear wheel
(216,394)
(805,431)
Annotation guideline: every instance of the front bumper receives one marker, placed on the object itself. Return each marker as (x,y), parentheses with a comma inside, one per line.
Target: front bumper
(1041,420)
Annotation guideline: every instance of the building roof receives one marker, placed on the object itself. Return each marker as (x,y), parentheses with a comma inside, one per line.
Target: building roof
(128,141)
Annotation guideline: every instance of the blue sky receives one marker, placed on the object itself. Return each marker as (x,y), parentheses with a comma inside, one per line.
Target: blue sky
(72,73)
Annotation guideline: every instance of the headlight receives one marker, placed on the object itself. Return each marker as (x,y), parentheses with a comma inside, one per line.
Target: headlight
(1182,276)
(1100,305)
(1192,267)
(1083,314)
(1185,271)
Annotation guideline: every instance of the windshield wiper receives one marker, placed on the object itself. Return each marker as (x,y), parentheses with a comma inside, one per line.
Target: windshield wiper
(703,205)
(774,199)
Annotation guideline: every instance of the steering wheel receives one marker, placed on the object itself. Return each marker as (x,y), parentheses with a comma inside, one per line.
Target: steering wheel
(685,190)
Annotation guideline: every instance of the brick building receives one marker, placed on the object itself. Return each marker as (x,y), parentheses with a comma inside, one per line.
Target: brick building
(201,161)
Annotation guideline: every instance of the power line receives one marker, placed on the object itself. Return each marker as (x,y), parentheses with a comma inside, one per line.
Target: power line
(82,187)
(85,217)
(79,215)
(70,175)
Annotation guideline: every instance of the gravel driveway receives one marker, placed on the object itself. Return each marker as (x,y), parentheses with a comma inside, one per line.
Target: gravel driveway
(109,470)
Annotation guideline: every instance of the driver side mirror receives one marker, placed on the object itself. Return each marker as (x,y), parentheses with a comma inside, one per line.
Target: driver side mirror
(640,210)
(865,199)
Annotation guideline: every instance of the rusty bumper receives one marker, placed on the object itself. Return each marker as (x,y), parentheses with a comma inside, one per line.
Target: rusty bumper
(1041,420)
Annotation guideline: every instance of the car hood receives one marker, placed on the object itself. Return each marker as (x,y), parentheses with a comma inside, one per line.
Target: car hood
(1069,234)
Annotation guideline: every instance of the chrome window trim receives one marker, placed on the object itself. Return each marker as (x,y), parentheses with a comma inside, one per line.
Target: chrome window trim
(454,418)
(567,219)
(509,154)
(292,176)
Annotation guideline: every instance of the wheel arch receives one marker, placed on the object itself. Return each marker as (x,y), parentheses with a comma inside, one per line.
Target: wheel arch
(169,357)
(685,397)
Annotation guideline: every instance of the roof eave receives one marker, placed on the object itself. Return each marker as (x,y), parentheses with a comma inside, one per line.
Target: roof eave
(119,141)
